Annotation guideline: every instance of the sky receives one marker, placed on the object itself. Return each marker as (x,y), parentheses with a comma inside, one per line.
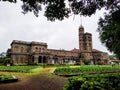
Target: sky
(58,35)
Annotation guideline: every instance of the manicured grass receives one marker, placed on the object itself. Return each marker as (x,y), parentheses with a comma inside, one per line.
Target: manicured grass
(23,73)
(18,68)
(86,69)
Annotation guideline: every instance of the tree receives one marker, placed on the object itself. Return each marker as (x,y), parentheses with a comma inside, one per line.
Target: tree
(4,60)
(59,9)
(2,55)
(109,31)
(112,56)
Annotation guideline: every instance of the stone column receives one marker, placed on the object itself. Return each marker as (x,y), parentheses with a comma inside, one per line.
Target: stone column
(36,58)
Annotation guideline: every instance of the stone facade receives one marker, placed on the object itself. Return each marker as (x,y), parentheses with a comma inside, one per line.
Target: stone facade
(23,52)
(85,44)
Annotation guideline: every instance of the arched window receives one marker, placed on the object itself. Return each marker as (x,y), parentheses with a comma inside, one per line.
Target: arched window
(39,49)
(36,49)
(16,48)
(42,50)
(22,49)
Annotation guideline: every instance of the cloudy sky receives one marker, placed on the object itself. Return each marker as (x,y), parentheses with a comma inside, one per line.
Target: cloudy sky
(58,35)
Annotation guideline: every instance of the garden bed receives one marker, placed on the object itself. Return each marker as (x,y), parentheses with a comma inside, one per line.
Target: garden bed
(89,69)
(8,79)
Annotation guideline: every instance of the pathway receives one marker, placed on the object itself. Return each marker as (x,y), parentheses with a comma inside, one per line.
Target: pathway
(43,81)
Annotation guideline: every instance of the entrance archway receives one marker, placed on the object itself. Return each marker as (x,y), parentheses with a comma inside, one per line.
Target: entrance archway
(44,59)
(40,59)
(32,59)
(56,60)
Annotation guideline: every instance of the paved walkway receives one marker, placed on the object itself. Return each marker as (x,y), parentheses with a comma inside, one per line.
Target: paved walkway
(42,81)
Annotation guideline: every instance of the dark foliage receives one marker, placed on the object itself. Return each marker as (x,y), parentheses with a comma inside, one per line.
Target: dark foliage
(94,82)
(59,9)
(109,31)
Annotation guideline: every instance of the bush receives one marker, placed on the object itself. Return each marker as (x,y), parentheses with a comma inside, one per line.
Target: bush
(91,85)
(36,63)
(74,83)
(86,63)
(100,63)
(94,82)
(7,61)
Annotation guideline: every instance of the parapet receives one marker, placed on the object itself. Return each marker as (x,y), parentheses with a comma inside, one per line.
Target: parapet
(28,43)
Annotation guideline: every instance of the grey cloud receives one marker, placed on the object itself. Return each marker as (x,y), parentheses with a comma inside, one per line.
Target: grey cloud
(59,34)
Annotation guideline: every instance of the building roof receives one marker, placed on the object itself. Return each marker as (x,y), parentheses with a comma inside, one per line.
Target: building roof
(96,51)
(75,50)
(93,50)
(28,43)
(20,42)
(38,43)
(88,33)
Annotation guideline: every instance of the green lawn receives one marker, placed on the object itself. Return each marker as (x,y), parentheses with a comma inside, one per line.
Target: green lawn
(18,68)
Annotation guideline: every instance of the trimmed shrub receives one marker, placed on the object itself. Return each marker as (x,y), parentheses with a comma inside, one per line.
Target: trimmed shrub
(7,79)
(94,82)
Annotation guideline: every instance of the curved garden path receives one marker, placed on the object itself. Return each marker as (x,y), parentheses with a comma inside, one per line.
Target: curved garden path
(42,81)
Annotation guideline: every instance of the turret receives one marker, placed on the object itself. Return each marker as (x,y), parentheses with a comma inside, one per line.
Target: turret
(81,29)
(81,36)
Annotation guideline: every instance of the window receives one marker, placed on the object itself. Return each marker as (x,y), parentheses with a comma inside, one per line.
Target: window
(85,46)
(39,49)
(21,60)
(43,49)
(89,38)
(16,59)
(27,50)
(36,49)
(22,49)
(16,48)
(89,44)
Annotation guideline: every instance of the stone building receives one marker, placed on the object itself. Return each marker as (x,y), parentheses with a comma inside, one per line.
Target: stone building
(22,52)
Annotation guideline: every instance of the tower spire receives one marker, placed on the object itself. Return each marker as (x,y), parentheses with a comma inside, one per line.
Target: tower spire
(81,26)
(81,20)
